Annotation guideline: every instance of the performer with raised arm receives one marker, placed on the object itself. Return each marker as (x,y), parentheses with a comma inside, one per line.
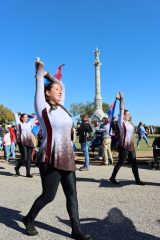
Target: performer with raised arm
(126,144)
(56,157)
(25,141)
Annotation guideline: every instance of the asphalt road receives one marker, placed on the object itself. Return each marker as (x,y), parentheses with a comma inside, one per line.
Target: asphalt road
(108,212)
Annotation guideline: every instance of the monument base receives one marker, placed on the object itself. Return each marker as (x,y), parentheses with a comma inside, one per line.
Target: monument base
(97,116)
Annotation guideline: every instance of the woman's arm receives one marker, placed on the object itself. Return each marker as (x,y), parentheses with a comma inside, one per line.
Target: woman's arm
(17,120)
(121,110)
(40,102)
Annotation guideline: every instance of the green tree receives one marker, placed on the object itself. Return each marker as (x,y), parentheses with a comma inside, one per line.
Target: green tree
(6,115)
(77,109)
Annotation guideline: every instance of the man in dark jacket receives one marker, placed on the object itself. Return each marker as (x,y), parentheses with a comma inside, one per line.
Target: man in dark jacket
(83,132)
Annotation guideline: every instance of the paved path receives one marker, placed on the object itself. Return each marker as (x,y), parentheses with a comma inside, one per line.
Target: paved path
(122,212)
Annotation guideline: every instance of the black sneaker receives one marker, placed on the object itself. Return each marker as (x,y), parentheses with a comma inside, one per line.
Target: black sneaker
(80,236)
(17,171)
(29,175)
(30,228)
(140,183)
(114,181)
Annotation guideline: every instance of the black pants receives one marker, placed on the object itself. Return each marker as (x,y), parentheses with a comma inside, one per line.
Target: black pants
(51,178)
(26,153)
(123,155)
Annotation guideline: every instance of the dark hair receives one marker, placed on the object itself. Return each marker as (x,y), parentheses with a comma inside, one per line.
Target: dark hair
(125,111)
(22,115)
(140,123)
(47,87)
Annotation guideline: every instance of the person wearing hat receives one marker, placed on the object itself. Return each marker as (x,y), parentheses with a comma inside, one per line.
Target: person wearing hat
(56,157)
(126,144)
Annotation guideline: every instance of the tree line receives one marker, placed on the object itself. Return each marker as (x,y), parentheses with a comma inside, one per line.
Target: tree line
(76,109)
(6,115)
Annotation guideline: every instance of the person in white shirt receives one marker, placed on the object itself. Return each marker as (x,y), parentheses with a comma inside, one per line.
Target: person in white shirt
(126,144)
(56,156)
(25,142)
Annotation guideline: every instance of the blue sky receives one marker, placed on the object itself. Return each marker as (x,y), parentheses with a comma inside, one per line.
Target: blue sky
(67,31)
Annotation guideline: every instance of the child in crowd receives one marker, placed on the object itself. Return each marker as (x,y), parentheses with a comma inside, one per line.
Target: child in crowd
(7,144)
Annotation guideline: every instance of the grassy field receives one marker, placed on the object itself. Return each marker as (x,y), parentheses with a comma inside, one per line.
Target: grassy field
(142,144)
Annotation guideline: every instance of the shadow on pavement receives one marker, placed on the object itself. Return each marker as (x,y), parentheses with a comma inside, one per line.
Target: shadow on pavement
(9,218)
(107,183)
(115,226)
(6,173)
(123,183)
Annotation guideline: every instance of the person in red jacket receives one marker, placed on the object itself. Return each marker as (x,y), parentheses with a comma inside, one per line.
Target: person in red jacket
(13,142)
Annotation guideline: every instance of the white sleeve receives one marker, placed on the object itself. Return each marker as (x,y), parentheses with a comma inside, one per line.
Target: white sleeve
(40,101)
(17,120)
(121,114)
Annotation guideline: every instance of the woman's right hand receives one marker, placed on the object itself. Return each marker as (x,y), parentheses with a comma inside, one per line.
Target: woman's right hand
(119,96)
(39,65)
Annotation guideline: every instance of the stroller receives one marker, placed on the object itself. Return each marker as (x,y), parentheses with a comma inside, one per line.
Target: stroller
(156,152)
(96,143)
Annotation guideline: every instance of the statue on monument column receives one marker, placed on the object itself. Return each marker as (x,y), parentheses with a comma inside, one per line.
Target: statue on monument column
(97,54)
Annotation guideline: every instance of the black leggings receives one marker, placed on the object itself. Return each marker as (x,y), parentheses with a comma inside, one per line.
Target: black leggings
(123,155)
(26,153)
(51,178)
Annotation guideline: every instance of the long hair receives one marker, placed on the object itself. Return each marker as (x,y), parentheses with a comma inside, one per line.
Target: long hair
(125,111)
(47,87)
(140,124)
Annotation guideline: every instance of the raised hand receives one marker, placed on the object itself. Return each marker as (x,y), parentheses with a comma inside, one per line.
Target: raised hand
(39,66)
(119,96)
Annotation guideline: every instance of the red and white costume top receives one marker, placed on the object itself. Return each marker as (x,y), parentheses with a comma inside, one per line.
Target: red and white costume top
(24,133)
(126,130)
(56,148)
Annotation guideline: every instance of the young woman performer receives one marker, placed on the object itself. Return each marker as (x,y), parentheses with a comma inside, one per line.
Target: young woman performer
(126,145)
(56,152)
(25,142)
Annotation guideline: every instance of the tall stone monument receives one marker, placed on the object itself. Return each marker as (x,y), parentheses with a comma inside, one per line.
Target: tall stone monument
(98,113)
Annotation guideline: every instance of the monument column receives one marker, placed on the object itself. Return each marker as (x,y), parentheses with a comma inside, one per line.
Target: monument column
(98,112)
